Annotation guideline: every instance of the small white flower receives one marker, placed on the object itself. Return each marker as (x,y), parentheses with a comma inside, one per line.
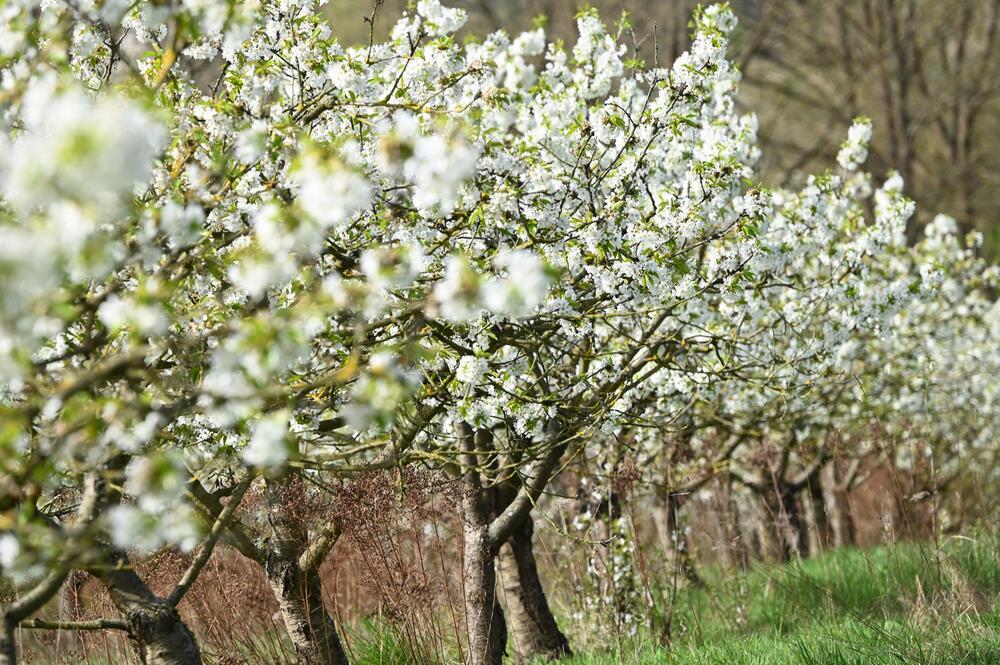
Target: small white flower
(10,548)
(269,445)
(854,150)
(182,225)
(147,319)
(523,289)
(471,370)
(131,528)
(442,20)
(330,193)
(457,295)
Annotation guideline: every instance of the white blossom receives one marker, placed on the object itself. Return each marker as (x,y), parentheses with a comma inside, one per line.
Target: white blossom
(854,151)
(269,445)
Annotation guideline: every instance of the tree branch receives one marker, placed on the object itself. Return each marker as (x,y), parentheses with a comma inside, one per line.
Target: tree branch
(207,547)
(94,624)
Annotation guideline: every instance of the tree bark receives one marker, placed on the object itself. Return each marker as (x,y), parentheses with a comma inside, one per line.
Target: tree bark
(485,530)
(155,627)
(8,646)
(743,542)
(291,561)
(484,620)
(310,627)
(791,523)
(817,526)
(673,540)
(292,568)
(535,633)
(766,528)
(835,503)
(722,532)
(484,617)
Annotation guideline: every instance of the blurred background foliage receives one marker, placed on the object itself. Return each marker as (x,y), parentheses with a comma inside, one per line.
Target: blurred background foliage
(927,72)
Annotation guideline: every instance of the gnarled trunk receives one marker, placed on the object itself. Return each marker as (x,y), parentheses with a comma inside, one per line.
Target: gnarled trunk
(292,568)
(8,647)
(485,529)
(535,633)
(484,620)
(310,627)
(155,627)
(487,629)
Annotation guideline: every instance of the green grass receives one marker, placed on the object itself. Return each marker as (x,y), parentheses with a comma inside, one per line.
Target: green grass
(846,642)
(903,604)
(906,604)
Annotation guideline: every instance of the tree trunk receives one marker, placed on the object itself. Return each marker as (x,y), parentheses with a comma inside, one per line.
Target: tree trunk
(836,505)
(69,610)
(483,615)
(786,539)
(8,646)
(817,527)
(724,536)
(535,633)
(310,627)
(485,530)
(673,539)
(155,628)
(740,541)
(296,582)
(484,620)
(791,523)
(767,527)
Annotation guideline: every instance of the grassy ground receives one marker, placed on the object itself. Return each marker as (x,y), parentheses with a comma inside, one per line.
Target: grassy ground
(910,603)
(904,604)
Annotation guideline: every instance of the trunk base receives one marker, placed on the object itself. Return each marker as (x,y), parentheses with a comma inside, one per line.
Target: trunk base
(484,617)
(8,647)
(310,627)
(155,628)
(536,635)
